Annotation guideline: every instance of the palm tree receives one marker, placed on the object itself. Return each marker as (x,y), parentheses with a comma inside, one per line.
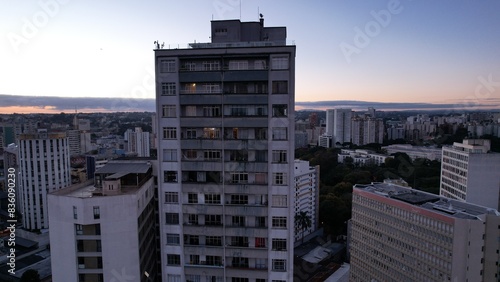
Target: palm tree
(302,222)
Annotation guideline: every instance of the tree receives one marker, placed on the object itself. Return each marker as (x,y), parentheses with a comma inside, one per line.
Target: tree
(30,275)
(302,222)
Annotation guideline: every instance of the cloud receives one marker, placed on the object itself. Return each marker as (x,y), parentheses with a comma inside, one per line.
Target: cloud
(80,103)
(459,105)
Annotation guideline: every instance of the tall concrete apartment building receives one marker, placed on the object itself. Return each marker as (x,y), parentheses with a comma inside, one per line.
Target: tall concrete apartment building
(104,229)
(44,165)
(226,126)
(471,173)
(366,130)
(138,142)
(338,128)
(402,234)
(306,195)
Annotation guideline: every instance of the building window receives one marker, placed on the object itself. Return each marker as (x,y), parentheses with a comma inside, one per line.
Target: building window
(193,259)
(213,219)
(211,111)
(191,239)
(168,111)
(279,63)
(79,229)
(190,133)
(212,155)
(239,178)
(238,65)
(280,87)
(75,214)
(261,133)
(212,198)
(279,156)
(168,88)
(240,262)
(173,239)
(190,111)
(214,260)
(260,221)
(172,197)
(173,259)
(192,219)
(239,241)
(211,133)
(239,199)
(280,110)
(279,244)
(279,178)
(279,201)
(169,155)
(238,220)
(279,265)
(239,279)
(192,198)
(97,212)
(169,133)
(173,278)
(170,176)
(213,240)
(280,133)
(171,218)
(260,242)
(211,65)
(279,221)
(167,66)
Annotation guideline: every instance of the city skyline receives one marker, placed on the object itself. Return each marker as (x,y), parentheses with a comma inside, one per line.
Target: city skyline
(381,51)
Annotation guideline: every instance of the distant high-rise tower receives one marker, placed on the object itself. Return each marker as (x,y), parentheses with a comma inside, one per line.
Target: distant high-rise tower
(338,125)
(226,126)
(470,173)
(138,142)
(45,167)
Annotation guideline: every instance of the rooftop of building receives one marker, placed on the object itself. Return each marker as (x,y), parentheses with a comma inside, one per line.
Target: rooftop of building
(434,203)
(129,175)
(235,33)
(473,146)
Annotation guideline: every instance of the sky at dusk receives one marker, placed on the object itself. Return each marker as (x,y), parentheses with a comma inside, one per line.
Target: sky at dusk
(383,51)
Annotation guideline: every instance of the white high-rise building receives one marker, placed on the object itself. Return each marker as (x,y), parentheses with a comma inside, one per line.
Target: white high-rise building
(338,125)
(471,173)
(225,114)
(306,195)
(104,229)
(138,142)
(45,167)
(402,234)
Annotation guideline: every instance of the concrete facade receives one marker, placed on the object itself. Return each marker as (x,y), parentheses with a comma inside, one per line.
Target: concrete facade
(470,173)
(306,195)
(103,229)
(225,117)
(44,165)
(401,234)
